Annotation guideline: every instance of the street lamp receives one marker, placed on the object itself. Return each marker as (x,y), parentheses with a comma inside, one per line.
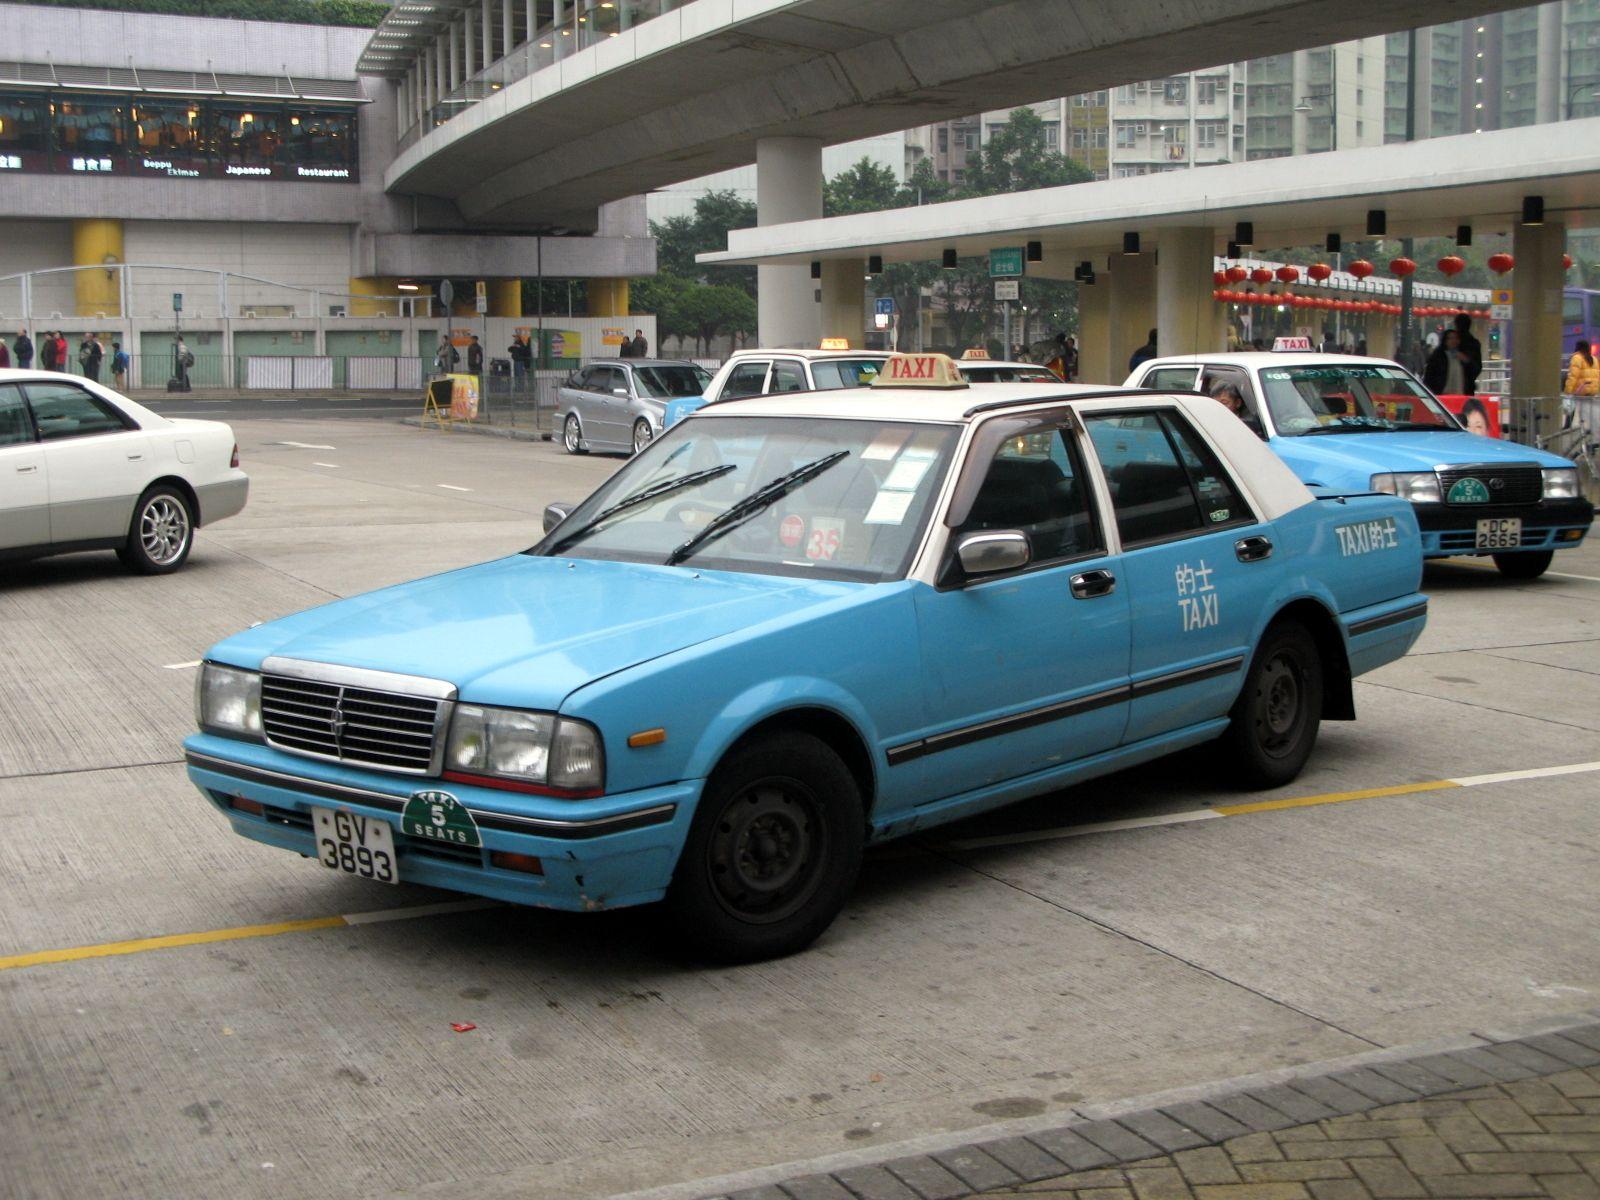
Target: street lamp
(1591,87)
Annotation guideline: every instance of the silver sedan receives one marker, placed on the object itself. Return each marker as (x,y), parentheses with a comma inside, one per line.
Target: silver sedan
(619,404)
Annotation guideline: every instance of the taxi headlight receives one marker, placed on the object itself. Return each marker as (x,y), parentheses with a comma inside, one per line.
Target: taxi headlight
(536,748)
(228,701)
(1419,487)
(1560,483)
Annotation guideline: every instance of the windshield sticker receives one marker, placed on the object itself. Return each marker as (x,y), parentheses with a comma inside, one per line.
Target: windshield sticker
(889,508)
(1220,515)
(1367,536)
(908,472)
(1197,596)
(791,529)
(827,534)
(884,446)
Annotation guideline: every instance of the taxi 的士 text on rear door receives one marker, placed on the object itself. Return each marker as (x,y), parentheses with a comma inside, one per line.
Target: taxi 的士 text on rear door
(796,625)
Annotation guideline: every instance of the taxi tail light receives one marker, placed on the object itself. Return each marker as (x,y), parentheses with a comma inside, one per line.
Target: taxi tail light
(508,861)
(234,461)
(254,807)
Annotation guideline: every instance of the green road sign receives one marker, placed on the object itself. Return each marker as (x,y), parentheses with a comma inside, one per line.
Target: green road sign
(1005,263)
(439,817)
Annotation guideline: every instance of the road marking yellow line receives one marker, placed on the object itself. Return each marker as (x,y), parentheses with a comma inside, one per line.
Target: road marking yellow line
(140,945)
(1401,789)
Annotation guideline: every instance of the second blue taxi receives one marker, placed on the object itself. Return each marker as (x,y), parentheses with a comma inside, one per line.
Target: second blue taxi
(797,625)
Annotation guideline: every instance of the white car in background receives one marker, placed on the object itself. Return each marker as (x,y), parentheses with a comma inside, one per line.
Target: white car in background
(83,468)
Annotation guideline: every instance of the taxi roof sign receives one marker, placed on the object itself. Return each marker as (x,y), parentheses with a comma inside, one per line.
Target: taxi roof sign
(1292,343)
(974,352)
(919,371)
(835,343)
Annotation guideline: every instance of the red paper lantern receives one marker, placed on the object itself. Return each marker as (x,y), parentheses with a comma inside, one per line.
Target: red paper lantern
(1361,268)
(1236,274)
(1402,266)
(1219,278)
(1501,263)
(1216,293)
(1566,262)
(1261,275)
(1452,264)
(1319,271)
(1288,274)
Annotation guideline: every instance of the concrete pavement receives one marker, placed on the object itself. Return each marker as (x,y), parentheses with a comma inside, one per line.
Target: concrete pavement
(1012,969)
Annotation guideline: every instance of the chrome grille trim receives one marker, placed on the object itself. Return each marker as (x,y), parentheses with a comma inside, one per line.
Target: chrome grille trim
(385,720)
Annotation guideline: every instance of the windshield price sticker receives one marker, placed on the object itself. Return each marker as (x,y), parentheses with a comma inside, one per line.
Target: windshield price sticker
(827,534)
(439,817)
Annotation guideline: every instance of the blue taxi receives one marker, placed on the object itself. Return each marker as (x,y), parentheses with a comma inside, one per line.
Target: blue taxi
(1352,424)
(796,625)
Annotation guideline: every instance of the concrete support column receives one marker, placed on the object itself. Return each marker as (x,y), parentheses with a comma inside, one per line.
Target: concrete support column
(472,49)
(1552,81)
(608,297)
(97,243)
(505,297)
(488,35)
(844,295)
(1189,320)
(1133,309)
(455,56)
(1536,317)
(505,28)
(1094,333)
(788,188)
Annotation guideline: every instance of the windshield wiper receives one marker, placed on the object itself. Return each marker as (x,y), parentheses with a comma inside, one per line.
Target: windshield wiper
(1346,429)
(757,500)
(650,493)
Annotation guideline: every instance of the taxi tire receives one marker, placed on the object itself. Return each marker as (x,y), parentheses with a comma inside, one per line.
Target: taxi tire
(1525,564)
(704,921)
(1286,668)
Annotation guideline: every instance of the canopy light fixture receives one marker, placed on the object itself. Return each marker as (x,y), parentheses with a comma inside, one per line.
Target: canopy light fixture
(1035,251)
(1233,250)
(949,260)
(1377,222)
(1334,244)
(1533,210)
(1130,243)
(1463,235)
(816,269)
(1244,232)
(875,264)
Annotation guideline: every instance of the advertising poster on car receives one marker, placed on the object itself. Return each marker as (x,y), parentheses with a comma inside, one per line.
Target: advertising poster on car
(1480,414)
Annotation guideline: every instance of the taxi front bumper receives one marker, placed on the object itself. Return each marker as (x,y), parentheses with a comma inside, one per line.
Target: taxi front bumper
(609,852)
(1548,525)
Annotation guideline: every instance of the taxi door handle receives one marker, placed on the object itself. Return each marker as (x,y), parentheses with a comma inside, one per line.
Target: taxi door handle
(1253,549)
(135,457)
(1089,584)
(27,470)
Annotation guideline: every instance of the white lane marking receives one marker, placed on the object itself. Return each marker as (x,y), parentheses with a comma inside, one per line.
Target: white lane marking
(420,910)
(453,488)
(1048,835)
(335,466)
(304,445)
(1535,773)
(180,666)
(1584,578)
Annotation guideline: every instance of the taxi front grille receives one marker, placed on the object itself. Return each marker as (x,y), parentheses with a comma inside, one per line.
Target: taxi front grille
(1503,485)
(388,730)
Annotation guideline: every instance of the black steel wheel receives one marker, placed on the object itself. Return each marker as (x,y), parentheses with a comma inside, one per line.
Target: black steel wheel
(1279,710)
(773,851)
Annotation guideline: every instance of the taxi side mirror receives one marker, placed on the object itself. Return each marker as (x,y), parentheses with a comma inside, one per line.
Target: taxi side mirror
(556,513)
(993,551)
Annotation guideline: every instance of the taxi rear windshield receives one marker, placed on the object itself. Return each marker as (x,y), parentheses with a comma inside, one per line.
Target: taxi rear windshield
(830,373)
(1349,398)
(669,383)
(824,499)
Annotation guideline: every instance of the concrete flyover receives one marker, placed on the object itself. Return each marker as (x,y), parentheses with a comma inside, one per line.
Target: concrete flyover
(1424,188)
(695,89)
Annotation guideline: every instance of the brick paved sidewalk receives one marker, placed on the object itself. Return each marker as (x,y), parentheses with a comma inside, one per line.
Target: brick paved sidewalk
(1537,1137)
(1504,1116)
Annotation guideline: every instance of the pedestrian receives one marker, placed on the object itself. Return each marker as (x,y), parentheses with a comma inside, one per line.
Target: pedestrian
(639,348)
(1069,358)
(1446,374)
(446,358)
(5,355)
(1472,352)
(119,366)
(1330,344)
(624,348)
(1144,353)
(22,349)
(182,360)
(521,359)
(90,355)
(61,351)
(1583,372)
(474,357)
(1434,337)
(47,351)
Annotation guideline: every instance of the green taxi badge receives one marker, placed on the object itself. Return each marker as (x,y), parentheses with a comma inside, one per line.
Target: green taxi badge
(1468,491)
(439,817)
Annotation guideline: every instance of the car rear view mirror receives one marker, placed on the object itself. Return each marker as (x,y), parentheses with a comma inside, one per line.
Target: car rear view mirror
(556,513)
(993,551)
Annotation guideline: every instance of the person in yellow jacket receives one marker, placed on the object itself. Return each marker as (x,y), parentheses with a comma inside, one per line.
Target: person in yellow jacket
(1583,372)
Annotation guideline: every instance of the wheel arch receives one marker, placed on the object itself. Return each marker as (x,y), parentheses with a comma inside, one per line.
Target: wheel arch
(830,727)
(181,485)
(1338,690)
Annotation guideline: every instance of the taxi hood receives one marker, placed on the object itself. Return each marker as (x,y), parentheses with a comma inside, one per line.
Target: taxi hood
(527,631)
(1346,462)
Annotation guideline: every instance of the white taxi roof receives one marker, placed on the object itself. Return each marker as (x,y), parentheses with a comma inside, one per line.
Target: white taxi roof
(1275,488)
(808,353)
(1265,358)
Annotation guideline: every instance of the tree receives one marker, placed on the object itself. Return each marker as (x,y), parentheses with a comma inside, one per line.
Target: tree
(1017,159)
(680,239)
(708,310)
(865,187)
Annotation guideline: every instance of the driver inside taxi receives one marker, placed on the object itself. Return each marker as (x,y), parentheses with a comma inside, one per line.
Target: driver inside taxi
(1229,396)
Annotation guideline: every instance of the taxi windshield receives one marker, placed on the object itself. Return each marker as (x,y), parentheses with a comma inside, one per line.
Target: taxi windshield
(670,382)
(1349,398)
(828,499)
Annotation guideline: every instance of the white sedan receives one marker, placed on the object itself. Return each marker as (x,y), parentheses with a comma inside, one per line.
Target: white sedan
(83,468)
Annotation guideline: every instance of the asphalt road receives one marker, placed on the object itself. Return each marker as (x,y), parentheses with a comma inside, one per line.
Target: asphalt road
(1133,934)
